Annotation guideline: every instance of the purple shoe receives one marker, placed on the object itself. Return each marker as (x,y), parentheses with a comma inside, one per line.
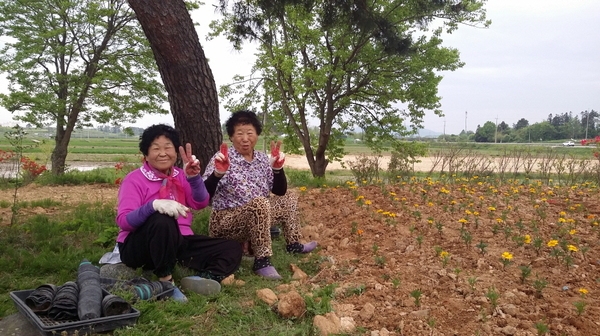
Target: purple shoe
(308,247)
(269,272)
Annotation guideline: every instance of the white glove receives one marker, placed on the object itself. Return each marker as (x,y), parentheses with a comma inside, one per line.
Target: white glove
(277,162)
(170,208)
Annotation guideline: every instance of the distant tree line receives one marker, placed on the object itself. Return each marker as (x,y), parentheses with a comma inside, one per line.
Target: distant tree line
(568,125)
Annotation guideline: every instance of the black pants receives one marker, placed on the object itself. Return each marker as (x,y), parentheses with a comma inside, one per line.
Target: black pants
(158,245)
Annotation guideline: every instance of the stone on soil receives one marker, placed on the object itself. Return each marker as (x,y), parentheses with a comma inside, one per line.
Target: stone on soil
(266,295)
(291,305)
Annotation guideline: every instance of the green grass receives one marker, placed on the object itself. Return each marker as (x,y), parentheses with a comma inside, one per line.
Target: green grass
(48,249)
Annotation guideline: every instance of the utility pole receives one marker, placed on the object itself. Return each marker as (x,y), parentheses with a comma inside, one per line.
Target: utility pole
(465,122)
(587,122)
(496,133)
(444,129)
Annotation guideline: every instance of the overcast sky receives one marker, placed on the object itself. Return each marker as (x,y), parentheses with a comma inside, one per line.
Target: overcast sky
(538,57)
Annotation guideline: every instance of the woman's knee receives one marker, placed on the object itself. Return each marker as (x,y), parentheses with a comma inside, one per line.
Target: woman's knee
(259,203)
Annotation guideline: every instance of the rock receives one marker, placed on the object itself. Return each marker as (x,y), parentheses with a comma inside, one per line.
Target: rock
(332,316)
(267,295)
(231,281)
(325,326)
(344,242)
(420,314)
(344,309)
(509,330)
(452,276)
(367,312)
(409,249)
(291,305)
(374,332)
(117,271)
(298,273)
(347,325)
(17,325)
(384,332)
(283,288)
(510,309)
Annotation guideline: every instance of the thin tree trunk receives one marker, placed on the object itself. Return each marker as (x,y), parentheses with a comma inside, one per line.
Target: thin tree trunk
(185,72)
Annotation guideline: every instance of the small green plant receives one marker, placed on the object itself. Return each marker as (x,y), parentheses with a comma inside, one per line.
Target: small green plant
(581,304)
(506,259)
(416,294)
(395,282)
(542,328)
(481,246)
(380,261)
(525,272)
(466,236)
(580,307)
(493,296)
(472,281)
(375,248)
(445,256)
(420,240)
(539,285)
(358,290)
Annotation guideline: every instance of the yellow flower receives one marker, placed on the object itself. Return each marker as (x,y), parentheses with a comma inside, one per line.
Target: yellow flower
(491,208)
(476,213)
(367,202)
(468,212)
(359,232)
(500,220)
(572,248)
(527,239)
(392,194)
(552,243)
(562,214)
(562,220)
(360,197)
(463,221)
(444,254)
(507,256)
(572,232)
(430,204)
(302,188)
(583,291)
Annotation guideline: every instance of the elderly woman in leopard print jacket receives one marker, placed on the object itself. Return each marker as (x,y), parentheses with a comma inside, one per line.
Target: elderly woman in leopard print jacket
(248,191)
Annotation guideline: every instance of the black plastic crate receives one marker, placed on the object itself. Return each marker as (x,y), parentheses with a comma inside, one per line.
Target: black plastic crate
(51,327)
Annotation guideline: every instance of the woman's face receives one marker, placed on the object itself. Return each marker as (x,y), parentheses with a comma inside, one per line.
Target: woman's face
(244,139)
(162,154)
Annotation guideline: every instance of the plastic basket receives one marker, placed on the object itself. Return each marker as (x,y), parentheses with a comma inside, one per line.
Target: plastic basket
(51,327)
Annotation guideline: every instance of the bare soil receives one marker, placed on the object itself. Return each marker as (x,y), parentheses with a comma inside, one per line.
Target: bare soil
(379,245)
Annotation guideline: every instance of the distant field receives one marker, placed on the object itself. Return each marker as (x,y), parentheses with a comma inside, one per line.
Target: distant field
(96,146)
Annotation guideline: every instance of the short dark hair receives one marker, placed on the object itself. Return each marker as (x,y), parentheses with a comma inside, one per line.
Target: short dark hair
(151,133)
(243,117)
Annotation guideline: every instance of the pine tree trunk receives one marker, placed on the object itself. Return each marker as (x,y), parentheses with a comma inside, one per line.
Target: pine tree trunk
(185,72)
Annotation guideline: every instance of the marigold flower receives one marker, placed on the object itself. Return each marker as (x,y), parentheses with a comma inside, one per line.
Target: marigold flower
(552,243)
(302,188)
(572,248)
(463,221)
(444,254)
(527,239)
(572,232)
(491,208)
(359,232)
(367,202)
(507,256)
(582,291)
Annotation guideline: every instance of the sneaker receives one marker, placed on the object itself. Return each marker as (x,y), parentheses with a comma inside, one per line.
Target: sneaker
(308,247)
(268,272)
(200,285)
(178,295)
